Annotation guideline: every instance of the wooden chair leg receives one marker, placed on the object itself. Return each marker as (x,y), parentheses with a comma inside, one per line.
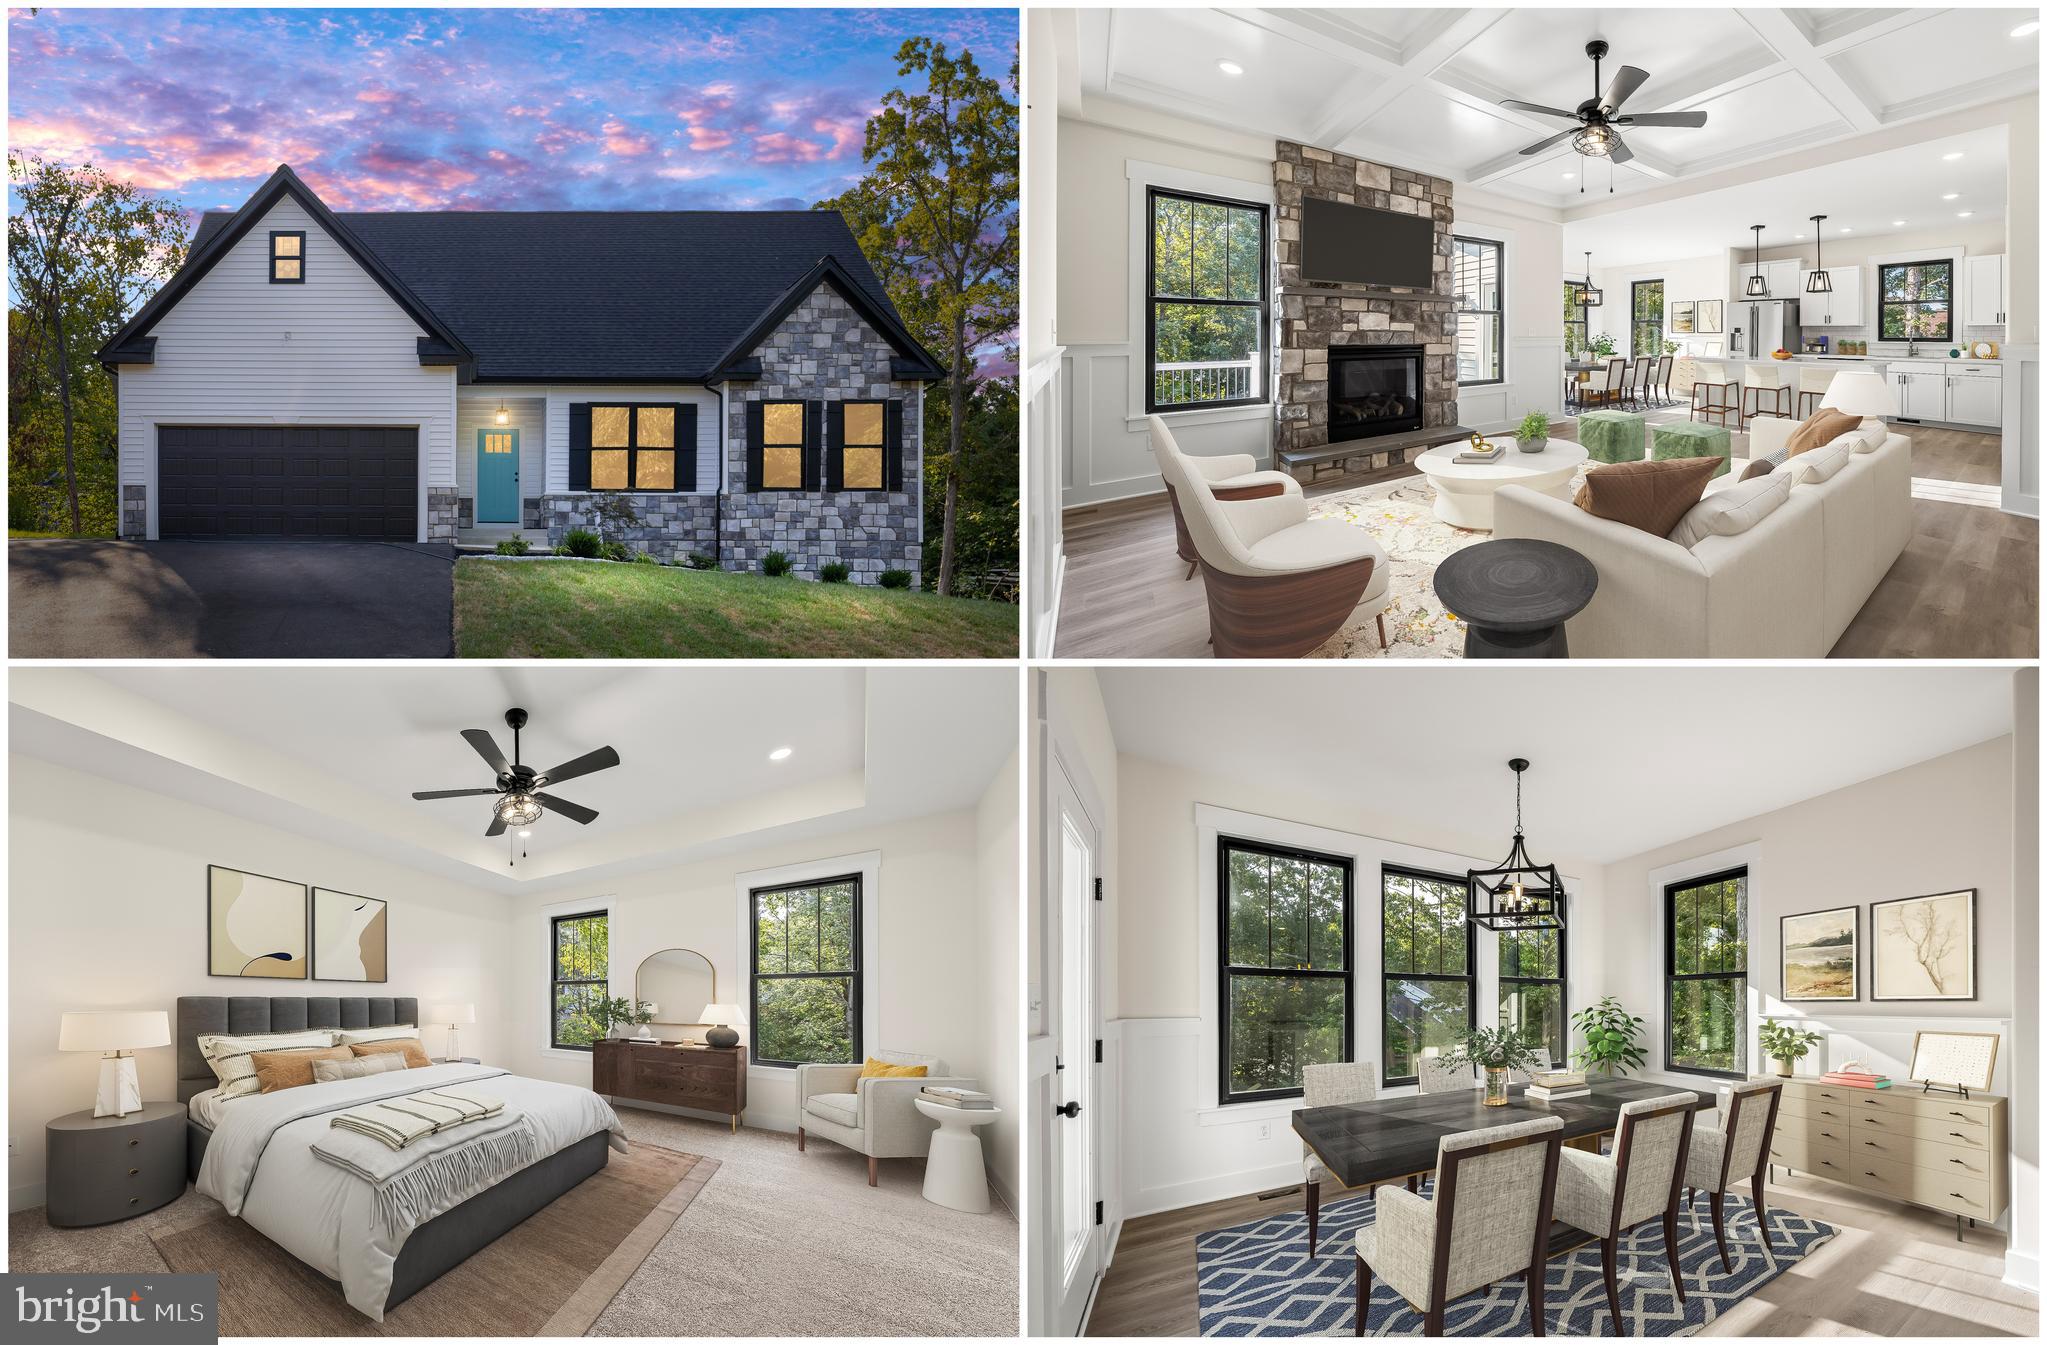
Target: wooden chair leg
(874,1172)
(799,1139)
(1607,1249)
(1192,566)
(1414,1185)
(1364,1295)
(1432,1320)
(1716,1201)
(1762,1210)
(1532,1278)
(1677,1274)
(1312,1194)
(1381,619)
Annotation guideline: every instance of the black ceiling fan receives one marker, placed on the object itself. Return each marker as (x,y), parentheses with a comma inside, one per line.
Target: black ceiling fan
(1597,133)
(519,788)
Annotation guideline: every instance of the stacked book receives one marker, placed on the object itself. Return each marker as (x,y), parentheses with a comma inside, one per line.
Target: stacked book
(1493,453)
(1856,1078)
(1551,1085)
(964,1098)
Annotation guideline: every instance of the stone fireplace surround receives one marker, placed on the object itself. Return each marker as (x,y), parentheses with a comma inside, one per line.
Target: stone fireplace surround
(1312,318)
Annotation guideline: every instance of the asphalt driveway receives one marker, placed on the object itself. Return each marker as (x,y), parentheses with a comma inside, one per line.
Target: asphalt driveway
(229,600)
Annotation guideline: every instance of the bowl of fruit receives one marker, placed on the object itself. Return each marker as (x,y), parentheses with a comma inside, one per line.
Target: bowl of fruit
(1780,354)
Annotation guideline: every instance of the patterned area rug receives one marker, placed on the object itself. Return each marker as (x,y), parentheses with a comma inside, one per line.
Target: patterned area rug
(1257,1279)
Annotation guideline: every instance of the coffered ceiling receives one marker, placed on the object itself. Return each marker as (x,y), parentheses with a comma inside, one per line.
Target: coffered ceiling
(1422,87)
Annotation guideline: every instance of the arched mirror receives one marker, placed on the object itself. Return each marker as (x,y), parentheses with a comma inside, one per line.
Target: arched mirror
(679,982)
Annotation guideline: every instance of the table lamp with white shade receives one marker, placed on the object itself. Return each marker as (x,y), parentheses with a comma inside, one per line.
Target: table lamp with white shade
(722,1018)
(452,1016)
(117,1034)
(1861,392)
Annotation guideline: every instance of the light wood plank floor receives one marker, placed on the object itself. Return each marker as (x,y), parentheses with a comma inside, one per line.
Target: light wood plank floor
(1893,1271)
(1967,585)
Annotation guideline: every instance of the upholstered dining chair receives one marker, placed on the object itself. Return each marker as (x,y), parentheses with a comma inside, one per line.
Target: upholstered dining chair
(1231,476)
(1541,1054)
(1615,387)
(1335,1085)
(1279,583)
(1638,380)
(1607,1196)
(874,1117)
(1737,1148)
(1662,380)
(1506,1178)
(1435,1075)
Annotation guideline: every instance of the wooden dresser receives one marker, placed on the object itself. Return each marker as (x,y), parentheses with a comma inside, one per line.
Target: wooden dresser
(1938,1150)
(702,1078)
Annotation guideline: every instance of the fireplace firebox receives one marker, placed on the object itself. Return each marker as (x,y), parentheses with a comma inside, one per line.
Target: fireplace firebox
(1374,390)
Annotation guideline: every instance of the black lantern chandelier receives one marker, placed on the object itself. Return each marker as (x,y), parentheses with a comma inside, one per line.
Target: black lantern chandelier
(1818,281)
(1516,893)
(1758,288)
(1590,296)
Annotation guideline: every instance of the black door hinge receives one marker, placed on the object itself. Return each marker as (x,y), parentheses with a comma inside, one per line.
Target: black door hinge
(1098,1050)
(1098,889)
(1098,1213)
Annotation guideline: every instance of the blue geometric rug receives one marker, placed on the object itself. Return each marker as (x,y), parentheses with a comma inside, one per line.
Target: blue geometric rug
(1257,1279)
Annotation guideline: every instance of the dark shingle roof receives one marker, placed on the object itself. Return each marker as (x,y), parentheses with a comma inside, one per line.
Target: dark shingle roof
(601,295)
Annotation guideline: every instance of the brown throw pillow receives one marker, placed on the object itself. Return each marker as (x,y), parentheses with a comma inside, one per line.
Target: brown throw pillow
(1757,467)
(292,1069)
(1821,427)
(1651,496)
(409,1047)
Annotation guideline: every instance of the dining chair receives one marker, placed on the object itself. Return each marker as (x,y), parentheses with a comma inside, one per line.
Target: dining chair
(1638,380)
(1607,1196)
(1714,394)
(1737,1148)
(1430,1256)
(1541,1054)
(1435,1075)
(1663,368)
(1616,381)
(1337,1085)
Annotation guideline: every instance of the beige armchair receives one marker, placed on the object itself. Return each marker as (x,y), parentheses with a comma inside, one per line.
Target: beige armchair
(875,1117)
(1279,583)
(1230,476)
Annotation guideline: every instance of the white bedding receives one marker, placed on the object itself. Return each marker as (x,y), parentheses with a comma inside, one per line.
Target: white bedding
(259,1164)
(206,1107)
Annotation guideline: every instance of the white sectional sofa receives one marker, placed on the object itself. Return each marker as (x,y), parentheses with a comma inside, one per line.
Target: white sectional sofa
(1786,588)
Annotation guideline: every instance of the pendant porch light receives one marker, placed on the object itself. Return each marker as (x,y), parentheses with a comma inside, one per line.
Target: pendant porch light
(1819,282)
(1589,296)
(1758,288)
(1516,893)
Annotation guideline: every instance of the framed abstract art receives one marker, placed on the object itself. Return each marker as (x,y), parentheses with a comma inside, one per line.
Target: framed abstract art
(1821,954)
(351,938)
(1923,947)
(255,926)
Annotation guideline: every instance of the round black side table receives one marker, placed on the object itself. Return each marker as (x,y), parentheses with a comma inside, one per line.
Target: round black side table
(1514,596)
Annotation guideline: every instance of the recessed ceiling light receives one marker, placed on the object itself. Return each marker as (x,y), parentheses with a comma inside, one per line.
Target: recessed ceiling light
(524,834)
(1950,158)
(780,754)
(2026,29)
(1950,196)
(1846,230)
(1897,223)
(1798,236)
(1229,67)
(1570,175)
(1963,214)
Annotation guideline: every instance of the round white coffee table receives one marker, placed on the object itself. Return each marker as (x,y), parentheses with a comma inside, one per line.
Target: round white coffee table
(1464,490)
(953,1174)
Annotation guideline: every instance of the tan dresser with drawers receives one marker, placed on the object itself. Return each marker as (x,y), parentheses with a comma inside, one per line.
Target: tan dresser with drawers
(1938,1150)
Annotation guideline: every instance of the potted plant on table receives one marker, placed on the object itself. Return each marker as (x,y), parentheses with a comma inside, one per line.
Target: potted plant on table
(1603,346)
(612,1014)
(1784,1044)
(1610,1037)
(1498,1050)
(1532,434)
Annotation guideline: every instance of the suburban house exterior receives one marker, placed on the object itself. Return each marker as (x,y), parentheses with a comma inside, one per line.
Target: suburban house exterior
(739,378)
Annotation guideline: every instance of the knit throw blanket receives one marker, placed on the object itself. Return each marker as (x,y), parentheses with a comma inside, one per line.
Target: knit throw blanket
(399,1121)
(444,1164)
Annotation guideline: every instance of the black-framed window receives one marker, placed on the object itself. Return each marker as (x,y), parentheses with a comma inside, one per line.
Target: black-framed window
(1533,971)
(1916,301)
(635,447)
(1705,975)
(1206,308)
(1286,967)
(1428,959)
(806,962)
(863,446)
(1577,320)
(579,969)
(785,445)
(1478,268)
(1645,318)
(288,257)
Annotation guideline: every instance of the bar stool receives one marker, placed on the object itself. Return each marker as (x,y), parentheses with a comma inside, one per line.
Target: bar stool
(1813,380)
(1765,389)
(1714,394)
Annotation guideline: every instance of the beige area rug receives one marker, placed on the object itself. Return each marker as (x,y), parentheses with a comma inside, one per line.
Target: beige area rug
(552,1275)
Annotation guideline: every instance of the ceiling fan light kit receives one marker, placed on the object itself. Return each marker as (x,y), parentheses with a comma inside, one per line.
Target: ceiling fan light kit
(521,797)
(1597,134)
(1818,281)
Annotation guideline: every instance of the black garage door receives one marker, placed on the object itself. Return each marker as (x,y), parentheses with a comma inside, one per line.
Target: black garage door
(280,482)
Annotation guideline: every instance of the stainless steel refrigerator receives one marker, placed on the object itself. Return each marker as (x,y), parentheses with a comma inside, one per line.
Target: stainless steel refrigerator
(1763,325)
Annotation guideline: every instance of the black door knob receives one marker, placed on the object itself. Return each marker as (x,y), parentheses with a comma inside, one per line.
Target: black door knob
(1069,1111)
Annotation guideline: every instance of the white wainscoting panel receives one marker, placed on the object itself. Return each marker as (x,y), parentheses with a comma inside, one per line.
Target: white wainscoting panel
(1108,452)
(2021,430)
(1045,431)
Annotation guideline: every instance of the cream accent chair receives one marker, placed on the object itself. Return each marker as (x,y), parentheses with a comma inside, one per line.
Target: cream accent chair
(1230,476)
(875,1117)
(1279,583)
(1786,588)
(1335,1085)
(1734,1149)
(1607,1196)
(1435,1075)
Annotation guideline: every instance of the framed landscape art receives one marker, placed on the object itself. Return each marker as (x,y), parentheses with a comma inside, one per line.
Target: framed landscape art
(255,925)
(1821,954)
(1681,316)
(1923,947)
(350,937)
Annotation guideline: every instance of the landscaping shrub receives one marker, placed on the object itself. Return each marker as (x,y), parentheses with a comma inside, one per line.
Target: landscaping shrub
(895,578)
(513,546)
(563,550)
(700,561)
(834,571)
(582,542)
(644,558)
(774,564)
(617,551)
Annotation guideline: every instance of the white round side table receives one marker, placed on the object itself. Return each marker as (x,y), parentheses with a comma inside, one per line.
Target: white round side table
(953,1174)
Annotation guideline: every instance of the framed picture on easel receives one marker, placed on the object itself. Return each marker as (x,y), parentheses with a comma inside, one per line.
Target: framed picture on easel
(1954,1061)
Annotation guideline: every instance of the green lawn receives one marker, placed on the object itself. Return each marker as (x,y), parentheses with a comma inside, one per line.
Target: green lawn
(545,609)
(26,535)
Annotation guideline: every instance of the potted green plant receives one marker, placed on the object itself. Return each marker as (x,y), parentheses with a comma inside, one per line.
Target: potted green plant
(1532,434)
(1785,1044)
(1497,1050)
(612,1014)
(1610,1037)
(1603,345)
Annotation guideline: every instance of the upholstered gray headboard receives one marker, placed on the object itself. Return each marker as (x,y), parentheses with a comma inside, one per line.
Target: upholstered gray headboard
(201,1014)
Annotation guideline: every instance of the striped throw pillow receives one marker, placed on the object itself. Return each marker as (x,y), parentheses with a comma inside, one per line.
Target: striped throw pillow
(231,1058)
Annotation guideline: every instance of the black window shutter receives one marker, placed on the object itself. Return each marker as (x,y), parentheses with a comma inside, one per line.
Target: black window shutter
(835,446)
(892,454)
(579,446)
(754,433)
(813,445)
(685,446)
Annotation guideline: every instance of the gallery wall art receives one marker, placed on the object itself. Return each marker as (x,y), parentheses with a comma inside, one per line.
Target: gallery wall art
(350,937)
(1822,955)
(1923,947)
(255,926)
(1681,317)
(1709,317)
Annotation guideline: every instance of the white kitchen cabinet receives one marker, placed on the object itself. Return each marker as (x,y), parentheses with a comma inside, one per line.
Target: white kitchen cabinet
(1922,396)
(1969,394)
(1975,400)
(1841,308)
(1984,298)
(1783,278)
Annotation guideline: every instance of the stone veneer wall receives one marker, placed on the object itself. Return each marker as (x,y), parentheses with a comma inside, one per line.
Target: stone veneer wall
(671,525)
(135,513)
(1312,318)
(443,512)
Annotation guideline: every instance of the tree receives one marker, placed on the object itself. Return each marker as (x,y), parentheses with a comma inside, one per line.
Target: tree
(937,212)
(82,251)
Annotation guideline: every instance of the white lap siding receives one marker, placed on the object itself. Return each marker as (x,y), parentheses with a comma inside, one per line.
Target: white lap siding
(238,350)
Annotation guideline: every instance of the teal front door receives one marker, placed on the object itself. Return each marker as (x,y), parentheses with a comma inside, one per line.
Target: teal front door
(497,476)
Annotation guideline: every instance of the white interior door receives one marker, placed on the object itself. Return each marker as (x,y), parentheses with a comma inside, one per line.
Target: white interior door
(1076,1110)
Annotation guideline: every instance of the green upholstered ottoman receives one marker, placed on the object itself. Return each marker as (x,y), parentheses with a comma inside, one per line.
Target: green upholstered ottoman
(1611,436)
(1690,439)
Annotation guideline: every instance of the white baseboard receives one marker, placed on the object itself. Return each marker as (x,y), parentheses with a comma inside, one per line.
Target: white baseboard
(2022,1271)
(21,1198)
(746,1121)
(1180,1195)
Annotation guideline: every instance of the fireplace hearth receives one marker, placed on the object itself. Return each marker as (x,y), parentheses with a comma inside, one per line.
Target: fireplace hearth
(1374,390)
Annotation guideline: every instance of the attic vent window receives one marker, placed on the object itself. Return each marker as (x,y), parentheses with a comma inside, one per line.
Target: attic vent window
(288,258)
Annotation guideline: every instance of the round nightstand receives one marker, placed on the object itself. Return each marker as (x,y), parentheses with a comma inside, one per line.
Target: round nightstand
(954,1175)
(103,1169)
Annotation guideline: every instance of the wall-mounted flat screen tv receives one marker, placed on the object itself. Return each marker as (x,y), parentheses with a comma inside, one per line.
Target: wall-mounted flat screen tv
(1355,245)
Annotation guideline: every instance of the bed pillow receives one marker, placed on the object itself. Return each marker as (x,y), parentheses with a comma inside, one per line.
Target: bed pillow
(356,1066)
(292,1069)
(350,1036)
(229,1057)
(410,1048)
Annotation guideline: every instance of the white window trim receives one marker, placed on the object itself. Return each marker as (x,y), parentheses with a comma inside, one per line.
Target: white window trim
(1142,177)
(587,906)
(866,863)
(1749,856)
(1493,233)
